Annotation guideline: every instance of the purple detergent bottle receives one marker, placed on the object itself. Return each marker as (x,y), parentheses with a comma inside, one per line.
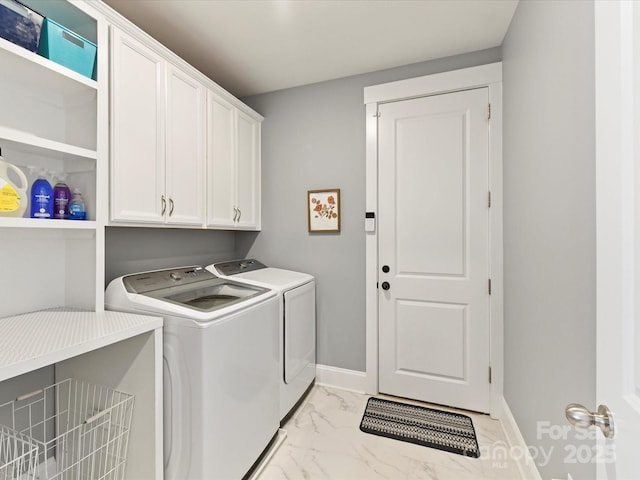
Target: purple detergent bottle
(61,199)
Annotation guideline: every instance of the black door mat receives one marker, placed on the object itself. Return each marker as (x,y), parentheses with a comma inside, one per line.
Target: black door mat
(451,432)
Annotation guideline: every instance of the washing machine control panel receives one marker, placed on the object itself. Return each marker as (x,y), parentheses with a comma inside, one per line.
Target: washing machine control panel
(150,281)
(238,266)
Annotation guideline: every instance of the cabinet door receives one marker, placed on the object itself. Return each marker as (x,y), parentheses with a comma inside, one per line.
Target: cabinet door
(138,154)
(248,172)
(221,194)
(185,162)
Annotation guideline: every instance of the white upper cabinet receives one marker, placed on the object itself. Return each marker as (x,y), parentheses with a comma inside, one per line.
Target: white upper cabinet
(137,130)
(185,153)
(221,120)
(248,172)
(157,138)
(233,162)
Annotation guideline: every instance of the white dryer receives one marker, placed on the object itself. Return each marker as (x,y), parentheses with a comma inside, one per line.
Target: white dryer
(297,346)
(221,367)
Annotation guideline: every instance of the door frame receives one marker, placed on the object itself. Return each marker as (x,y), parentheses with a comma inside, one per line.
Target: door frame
(482,76)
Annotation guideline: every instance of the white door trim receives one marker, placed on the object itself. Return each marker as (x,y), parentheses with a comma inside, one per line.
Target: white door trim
(483,76)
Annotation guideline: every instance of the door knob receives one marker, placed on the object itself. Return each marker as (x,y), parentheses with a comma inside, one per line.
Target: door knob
(386,285)
(385,268)
(583,418)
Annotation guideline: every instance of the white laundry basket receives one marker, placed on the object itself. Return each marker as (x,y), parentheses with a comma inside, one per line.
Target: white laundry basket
(18,455)
(81,430)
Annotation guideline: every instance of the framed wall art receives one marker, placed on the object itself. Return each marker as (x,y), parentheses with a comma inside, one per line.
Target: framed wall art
(323,208)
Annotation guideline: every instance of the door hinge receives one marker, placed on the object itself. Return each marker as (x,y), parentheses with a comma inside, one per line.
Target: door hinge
(489,200)
(377,114)
(489,374)
(489,112)
(489,286)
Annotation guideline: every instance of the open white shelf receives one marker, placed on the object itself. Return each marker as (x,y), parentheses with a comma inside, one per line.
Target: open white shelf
(57,120)
(54,121)
(40,73)
(28,143)
(44,224)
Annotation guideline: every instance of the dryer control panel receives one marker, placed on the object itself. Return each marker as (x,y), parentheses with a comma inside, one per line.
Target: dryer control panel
(235,267)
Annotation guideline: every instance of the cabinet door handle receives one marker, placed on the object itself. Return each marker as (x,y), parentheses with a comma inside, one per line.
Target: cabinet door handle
(170,206)
(239,214)
(164,205)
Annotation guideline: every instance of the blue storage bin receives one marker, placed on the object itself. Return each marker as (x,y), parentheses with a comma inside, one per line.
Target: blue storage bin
(19,24)
(67,48)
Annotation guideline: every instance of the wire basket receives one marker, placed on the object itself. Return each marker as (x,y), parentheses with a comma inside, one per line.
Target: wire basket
(18,455)
(81,430)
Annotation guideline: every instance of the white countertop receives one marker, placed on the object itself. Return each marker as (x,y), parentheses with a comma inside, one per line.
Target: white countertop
(34,340)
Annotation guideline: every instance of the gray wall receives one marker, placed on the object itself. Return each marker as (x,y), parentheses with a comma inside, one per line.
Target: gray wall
(314,137)
(131,250)
(549,221)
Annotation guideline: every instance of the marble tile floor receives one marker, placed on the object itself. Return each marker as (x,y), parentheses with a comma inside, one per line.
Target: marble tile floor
(324,441)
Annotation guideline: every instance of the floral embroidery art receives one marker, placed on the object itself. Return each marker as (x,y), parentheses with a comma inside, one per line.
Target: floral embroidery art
(324,210)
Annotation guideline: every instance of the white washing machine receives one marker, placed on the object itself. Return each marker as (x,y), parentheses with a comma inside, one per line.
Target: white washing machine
(297,344)
(221,367)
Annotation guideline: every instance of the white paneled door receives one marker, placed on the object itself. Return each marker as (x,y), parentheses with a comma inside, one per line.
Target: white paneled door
(617,26)
(434,249)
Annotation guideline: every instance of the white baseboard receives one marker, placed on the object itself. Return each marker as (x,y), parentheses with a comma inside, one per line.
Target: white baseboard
(341,378)
(525,462)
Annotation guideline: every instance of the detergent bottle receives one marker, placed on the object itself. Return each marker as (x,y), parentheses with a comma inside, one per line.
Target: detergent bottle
(13,197)
(61,198)
(76,207)
(41,197)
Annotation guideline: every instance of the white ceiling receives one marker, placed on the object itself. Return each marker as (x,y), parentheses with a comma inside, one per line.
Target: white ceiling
(257,46)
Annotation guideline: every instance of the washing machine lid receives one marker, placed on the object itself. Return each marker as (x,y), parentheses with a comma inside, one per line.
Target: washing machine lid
(257,273)
(193,288)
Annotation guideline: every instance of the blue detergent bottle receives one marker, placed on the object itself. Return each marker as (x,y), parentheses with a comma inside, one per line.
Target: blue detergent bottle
(76,207)
(41,197)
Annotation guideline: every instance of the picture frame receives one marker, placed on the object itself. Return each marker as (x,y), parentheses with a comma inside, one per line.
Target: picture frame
(323,210)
